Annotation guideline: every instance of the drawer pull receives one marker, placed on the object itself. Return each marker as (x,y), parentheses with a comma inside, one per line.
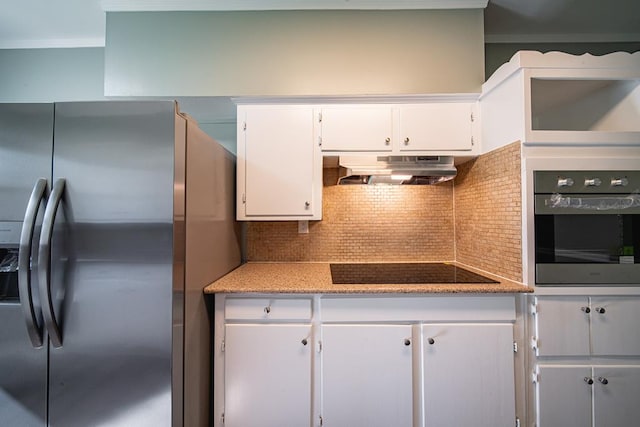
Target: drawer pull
(603,380)
(304,341)
(586,309)
(267,309)
(431,341)
(600,310)
(588,380)
(407,341)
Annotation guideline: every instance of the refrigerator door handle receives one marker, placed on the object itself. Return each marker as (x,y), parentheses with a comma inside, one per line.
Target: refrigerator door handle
(32,319)
(44,261)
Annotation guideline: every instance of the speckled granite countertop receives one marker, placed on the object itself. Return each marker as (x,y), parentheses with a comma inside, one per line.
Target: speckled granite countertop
(313,277)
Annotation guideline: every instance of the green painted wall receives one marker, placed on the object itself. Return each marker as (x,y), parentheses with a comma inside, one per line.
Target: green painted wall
(47,75)
(285,53)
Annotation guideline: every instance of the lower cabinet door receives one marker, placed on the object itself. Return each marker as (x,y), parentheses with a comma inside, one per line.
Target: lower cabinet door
(468,375)
(564,396)
(267,375)
(616,396)
(367,376)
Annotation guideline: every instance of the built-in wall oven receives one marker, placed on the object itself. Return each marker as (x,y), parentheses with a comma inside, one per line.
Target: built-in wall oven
(587,227)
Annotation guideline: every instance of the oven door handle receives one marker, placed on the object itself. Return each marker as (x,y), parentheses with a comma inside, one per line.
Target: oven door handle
(586,204)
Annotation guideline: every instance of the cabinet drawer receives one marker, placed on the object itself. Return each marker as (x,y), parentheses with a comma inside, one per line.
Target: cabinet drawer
(267,309)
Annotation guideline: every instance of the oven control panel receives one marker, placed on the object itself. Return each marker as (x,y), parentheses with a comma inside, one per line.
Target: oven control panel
(586,182)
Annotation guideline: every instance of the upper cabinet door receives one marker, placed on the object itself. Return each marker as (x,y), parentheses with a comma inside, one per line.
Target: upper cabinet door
(357,128)
(435,126)
(279,165)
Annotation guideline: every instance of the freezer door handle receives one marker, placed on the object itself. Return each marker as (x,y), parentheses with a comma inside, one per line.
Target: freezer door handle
(32,317)
(44,262)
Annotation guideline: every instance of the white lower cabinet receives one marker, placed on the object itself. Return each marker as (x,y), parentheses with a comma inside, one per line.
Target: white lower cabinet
(468,375)
(585,396)
(267,374)
(351,361)
(367,375)
(586,361)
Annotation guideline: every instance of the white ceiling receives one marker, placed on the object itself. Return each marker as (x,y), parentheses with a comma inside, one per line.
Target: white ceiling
(81,23)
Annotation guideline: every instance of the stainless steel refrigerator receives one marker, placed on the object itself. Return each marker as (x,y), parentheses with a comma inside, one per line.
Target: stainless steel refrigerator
(113,217)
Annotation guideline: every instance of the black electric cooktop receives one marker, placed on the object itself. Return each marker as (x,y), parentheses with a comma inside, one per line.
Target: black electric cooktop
(403,273)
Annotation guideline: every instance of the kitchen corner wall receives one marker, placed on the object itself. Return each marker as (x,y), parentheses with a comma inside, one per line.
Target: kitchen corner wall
(488,212)
(475,220)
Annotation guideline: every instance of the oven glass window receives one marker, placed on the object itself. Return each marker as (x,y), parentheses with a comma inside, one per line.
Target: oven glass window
(593,239)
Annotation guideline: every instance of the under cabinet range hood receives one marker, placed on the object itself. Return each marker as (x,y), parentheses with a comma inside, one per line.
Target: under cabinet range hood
(395,170)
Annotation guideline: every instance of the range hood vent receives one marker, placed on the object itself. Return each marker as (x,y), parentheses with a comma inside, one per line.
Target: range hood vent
(396,170)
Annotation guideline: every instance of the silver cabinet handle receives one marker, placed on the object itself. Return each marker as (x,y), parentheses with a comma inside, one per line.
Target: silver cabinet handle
(304,341)
(307,204)
(387,141)
(592,182)
(407,342)
(603,380)
(601,310)
(586,309)
(32,318)
(44,263)
(431,341)
(588,380)
(406,141)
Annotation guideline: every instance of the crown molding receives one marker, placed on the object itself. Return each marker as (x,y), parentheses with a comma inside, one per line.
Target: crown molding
(247,5)
(562,38)
(52,43)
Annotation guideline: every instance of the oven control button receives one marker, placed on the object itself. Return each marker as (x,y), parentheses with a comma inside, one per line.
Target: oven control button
(619,182)
(592,182)
(565,182)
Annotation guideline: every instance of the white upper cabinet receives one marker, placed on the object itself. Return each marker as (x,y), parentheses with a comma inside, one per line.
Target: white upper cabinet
(438,125)
(561,99)
(357,128)
(279,165)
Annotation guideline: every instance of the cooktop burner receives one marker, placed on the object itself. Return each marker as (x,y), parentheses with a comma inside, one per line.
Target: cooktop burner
(403,273)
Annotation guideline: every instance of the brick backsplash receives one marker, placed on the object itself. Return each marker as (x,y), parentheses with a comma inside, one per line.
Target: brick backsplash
(364,223)
(410,223)
(488,220)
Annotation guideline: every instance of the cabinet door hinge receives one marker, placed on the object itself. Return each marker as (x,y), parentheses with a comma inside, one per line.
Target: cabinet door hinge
(319,346)
(472,143)
(515,347)
(517,422)
(535,378)
(472,118)
(222,346)
(244,125)
(320,141)
(319,117)
(534,309)
(321,421)
(222,419)
(534,343)
(244,198)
